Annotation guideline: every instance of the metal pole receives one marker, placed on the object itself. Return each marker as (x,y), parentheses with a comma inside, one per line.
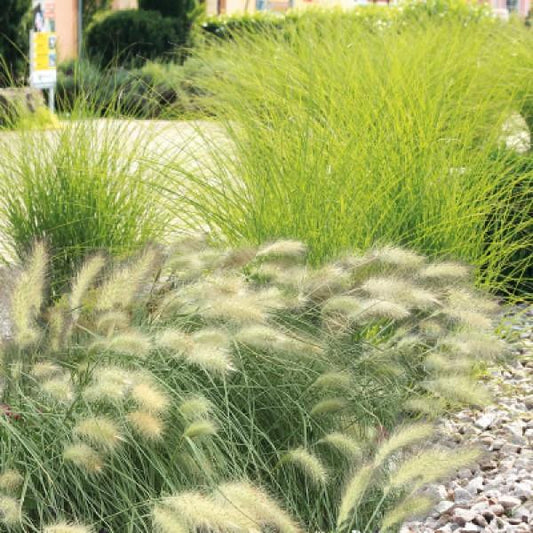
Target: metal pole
(51,99)
(80,27)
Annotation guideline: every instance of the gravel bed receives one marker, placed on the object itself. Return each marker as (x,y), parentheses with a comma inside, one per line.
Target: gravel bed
(497,494)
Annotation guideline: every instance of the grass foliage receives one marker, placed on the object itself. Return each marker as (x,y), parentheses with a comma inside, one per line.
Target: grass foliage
(230,390)
(80,188)
(352,131)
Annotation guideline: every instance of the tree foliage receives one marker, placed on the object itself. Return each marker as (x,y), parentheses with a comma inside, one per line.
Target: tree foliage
(13,39)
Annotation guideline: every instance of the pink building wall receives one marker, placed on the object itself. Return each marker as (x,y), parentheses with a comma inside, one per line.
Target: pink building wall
(67,24)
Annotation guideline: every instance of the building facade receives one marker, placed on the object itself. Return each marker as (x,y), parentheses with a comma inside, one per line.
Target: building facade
(67,24)
(229,7)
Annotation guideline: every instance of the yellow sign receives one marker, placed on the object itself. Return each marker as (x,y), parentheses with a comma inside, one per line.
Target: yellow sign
(44,50)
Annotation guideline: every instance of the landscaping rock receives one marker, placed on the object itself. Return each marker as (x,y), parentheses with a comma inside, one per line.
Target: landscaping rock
(14,101)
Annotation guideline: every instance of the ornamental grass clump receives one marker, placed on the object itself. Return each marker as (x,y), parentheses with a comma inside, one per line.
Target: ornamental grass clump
(349,131)
(159,415)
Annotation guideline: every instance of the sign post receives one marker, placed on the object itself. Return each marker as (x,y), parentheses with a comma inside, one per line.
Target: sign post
(43,44)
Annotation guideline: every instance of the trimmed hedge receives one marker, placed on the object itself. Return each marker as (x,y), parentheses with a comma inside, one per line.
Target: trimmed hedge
(131,37)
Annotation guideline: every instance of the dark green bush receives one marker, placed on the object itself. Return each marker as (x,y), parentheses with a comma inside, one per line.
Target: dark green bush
(129,38)
(169,8)
(13,40)
(157,90)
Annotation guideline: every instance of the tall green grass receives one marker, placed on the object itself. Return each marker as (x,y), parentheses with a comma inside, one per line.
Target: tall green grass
(80,188)
(348,132)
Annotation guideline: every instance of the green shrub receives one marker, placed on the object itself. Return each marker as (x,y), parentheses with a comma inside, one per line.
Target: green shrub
(169,8)
(180,370)
(347,134)
(14,39)
(131,37)
(79,188)
(156,90)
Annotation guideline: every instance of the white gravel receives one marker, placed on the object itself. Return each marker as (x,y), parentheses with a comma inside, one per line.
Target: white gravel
(497,494)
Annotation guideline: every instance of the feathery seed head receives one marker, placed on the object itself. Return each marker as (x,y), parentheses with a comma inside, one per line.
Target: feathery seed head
(166,521)
(125,283)
(266,338)
(431,465)
(432,329)
(401,438)
(196,407)
(468,300)
(111,321)
(210,351)
(86,276)
(334,380)
(408,508)
(10,480)
(175,340)
(399,291)
(28,296)
(328,406)
(444,272)
(476,345)
(10,514)
(66,527)
(100,431)
(198,512)
(376,309)
(238,258)
(426,405)
(110,384)
(146,424)
(150,397)
(309,464)
(200,428)
(355,489)
(283,249)
(85,457)
(342,443)
(398,257)
(131,343)
(326,282)
(45,369)
(459,389)
(59,388)
(258,505)
(469,319)
(344,305)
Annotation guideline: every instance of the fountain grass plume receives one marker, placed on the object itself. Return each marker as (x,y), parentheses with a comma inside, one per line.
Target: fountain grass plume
(67,527)
(28,296)
(429,466)
(408,508)
(195,407)
(264,510)
(329,406)
(11,481)
(130,342)
(86,276)
(342,443)
(458,390)
(334,381)
(145,424)
(199,429)
(352,494)
(101,432)
(307,463)
(84,457)
(402,438)
(10,514)
(125,282)
(196,511)
(150,397)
